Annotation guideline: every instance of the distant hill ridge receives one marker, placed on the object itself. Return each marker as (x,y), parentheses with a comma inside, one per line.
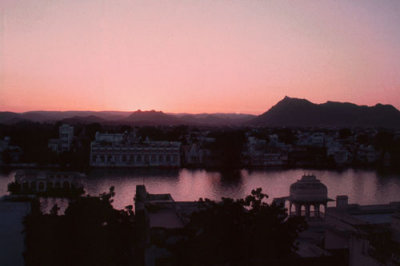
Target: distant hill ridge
(289,112)
(294,112)
(140,118)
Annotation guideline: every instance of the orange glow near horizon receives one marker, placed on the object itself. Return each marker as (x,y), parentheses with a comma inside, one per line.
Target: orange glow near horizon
(196,56)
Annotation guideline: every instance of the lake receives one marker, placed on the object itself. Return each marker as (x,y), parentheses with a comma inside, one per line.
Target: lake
(362,186)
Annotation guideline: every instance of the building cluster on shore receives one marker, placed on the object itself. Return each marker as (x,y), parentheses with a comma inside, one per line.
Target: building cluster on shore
(344,234)
(193,147)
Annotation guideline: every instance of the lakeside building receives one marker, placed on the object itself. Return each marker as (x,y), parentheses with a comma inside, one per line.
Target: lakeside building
(349,234)
(369,234)
(367,154)
(64,141)
(155,215)
(126,150)
(9,153)
(263,153)
(33,181)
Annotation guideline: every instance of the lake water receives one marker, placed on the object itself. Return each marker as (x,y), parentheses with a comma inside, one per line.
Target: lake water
(362,186)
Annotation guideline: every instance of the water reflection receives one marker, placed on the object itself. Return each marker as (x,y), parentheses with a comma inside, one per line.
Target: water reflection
(362,186)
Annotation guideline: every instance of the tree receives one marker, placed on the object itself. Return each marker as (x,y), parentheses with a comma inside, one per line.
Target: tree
(344,133)
(227,148)
(238,232)
(91,232)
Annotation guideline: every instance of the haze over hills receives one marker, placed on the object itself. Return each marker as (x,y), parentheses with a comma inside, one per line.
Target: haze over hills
(139,118)
(294,112)
(289,112)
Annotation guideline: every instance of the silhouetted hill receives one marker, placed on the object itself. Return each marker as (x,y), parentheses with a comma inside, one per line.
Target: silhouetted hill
(215,119)
(10,118)
(53,116)
(152,118)
(294,112)
(83,120)
(289,112)
(138,118)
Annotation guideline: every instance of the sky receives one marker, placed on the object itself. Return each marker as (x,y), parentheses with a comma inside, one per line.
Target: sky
(196,56)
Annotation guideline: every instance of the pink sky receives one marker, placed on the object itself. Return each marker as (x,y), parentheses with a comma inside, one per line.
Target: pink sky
(196,56)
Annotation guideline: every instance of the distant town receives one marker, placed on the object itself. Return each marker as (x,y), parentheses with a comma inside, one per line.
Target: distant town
(293,133)
(94,145)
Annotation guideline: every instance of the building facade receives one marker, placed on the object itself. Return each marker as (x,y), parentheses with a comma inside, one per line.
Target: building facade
(66,135)
(125,150)
(42,181)
(64,141)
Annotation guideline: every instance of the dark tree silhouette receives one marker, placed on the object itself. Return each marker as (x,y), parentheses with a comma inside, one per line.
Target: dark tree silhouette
(239,232)
(227,148)
(91,232)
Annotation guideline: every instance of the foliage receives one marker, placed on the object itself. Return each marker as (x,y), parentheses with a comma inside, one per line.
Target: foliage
(383,140)
(238,232)
(344,133)
(91,232)
(286,135)
(227,148)
(382,246)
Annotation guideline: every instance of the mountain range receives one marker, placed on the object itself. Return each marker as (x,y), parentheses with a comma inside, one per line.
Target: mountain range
(294,112)
(289,112)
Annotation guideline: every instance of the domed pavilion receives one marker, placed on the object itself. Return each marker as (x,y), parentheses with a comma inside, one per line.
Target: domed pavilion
(307,193)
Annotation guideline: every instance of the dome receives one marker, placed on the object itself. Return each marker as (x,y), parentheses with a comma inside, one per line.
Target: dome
(308,189)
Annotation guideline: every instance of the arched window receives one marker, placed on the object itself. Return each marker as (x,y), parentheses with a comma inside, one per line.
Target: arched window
(303,210)
(312,211)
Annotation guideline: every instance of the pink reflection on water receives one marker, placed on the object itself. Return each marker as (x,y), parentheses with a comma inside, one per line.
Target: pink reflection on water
(362,186)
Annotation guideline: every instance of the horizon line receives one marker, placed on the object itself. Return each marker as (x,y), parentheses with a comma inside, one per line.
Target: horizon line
(198,113)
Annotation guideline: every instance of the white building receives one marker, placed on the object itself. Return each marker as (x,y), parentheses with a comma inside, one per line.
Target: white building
(316,139)
(41,181)
(125,150)
(194,154)
(64,141)
(367,154)
(66,134)
(339,153)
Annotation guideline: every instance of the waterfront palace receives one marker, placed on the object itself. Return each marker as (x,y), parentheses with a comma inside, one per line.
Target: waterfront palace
(126,150)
